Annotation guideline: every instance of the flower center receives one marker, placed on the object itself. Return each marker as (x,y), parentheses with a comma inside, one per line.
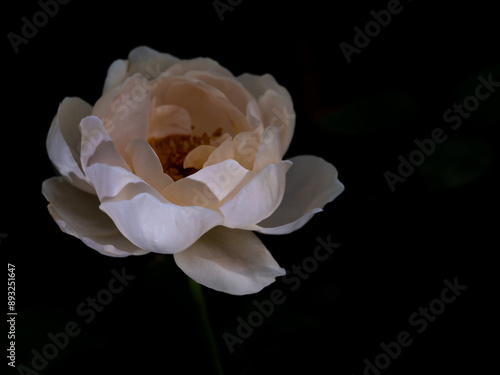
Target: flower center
(173,149)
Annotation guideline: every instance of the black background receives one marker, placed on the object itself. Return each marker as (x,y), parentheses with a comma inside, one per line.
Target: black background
(396,248)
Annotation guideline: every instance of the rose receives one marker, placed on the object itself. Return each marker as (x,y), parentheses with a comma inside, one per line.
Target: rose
(181,157)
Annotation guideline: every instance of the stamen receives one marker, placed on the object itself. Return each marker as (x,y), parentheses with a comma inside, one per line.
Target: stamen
(173,149)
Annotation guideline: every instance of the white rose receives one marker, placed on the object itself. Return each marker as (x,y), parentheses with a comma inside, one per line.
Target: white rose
(181,157)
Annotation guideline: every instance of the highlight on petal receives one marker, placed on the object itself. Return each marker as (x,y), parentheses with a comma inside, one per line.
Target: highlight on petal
(63,142)
(77,213)
(231,261)
(159,226)
(258,198)
(311,183)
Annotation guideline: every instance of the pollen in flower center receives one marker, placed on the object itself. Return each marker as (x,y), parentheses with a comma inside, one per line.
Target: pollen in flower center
(173,149)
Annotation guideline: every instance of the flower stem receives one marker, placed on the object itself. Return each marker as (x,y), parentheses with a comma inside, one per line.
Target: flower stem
(197,293)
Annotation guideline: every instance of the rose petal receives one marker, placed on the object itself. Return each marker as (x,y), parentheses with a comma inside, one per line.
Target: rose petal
(146,164)
(234,91)
(167,120)
(128,114)
(159,226)
(97,146)
(63,142)
(224,152)
(268,151)
(115,183)
(199,64)
(245,146)
(275,103)
(278,111)
(197,157)
(310,184)
(77,213)
(208,187)
(258,198)
(231,261)
(144,60)
(208,107)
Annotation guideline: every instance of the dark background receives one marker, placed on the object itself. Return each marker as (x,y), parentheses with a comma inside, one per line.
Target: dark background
(396,248)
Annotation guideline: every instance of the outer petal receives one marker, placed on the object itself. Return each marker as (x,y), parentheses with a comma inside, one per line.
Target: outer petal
(230,260)
(144,60)
(258,198)
(77,213)
(310,184)
(159,226)
(198,64)
(63,142)
(275,104)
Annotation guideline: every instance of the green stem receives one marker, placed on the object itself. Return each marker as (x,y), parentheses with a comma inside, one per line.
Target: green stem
(197,293)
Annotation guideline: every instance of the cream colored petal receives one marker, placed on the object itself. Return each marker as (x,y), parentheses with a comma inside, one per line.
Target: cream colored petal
(199,64)
(167,120)
(159,226)
(234,91)
(231,261)
(278,111)
(245,146)
(128,114)
(115,183)
(275,104)
(224,152)
(97,146)
(197,157)
(144,60)
(149,62)
(208,108)
(77,213)
(63,141)
(258,85)
(258,199)
(311,183)
(146,164)
(268,151)
(208,187)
